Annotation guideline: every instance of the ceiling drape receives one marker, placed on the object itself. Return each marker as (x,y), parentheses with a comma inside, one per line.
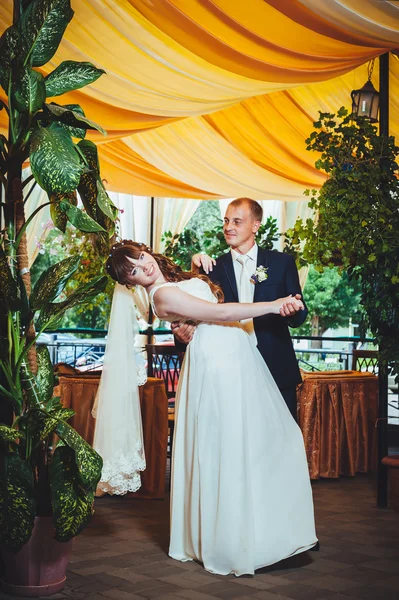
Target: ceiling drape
(214,98)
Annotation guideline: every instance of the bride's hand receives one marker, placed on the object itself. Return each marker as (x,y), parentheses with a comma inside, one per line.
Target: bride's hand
(289,305)
(203,261)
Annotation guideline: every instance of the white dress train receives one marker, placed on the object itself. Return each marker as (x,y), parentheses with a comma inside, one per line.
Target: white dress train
(118,436)
(241,497)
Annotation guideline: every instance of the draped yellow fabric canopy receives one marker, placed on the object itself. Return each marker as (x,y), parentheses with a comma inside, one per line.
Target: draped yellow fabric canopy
(215,98)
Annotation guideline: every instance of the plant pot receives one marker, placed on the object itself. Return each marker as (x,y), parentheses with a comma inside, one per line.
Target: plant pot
(392,462)
(39,568)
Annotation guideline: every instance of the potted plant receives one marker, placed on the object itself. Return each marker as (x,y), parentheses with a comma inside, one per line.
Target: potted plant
(48,473)
(356,225)
(357,220)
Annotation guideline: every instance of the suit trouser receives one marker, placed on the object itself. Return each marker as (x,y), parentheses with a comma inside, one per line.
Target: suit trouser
(289,395)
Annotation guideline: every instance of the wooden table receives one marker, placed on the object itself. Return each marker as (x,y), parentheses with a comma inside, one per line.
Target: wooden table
(79,391)
(337,413)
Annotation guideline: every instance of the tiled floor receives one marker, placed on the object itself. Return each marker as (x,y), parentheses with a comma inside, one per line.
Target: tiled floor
(123,555)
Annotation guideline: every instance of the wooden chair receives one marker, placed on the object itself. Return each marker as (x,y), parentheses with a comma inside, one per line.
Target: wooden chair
(164,362)
(365,360)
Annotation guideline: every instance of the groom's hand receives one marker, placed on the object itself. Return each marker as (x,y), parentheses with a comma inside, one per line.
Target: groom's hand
(204,261)
(183,332)
(291,306)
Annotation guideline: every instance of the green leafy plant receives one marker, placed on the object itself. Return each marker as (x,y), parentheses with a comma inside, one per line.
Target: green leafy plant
(181,247)
(46,467)
(55,247)
(358,219)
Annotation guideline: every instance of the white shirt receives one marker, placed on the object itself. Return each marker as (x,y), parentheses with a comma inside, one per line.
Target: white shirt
(252,255)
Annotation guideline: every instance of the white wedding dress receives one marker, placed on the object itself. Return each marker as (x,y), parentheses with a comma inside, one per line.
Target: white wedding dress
(240,497)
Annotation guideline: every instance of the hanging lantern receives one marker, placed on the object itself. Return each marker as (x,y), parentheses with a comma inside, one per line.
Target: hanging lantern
(366,101)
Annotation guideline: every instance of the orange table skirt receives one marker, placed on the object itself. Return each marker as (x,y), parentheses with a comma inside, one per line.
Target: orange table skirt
(79,392)
(337,413)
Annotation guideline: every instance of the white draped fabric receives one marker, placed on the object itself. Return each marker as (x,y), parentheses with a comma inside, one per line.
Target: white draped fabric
(171,214)
(134,216)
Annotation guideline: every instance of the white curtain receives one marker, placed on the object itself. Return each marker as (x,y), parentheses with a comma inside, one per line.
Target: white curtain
(171,214)
(134,216)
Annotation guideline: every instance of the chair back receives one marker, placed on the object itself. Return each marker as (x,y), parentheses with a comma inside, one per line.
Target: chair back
(365,360)
(164,362)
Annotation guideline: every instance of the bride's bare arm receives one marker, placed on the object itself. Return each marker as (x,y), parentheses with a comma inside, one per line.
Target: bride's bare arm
(170,300)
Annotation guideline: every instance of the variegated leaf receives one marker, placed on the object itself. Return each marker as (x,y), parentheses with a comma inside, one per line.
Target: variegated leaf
(52,281)
(87,188)
(53,404)
(90,152)
(51,313)
(71,118)
(72,503)
(54,419)
(54,160)
(17,502)
(45,373)
(30,386)
(9,45)
(80,219)
(105,203)
(75,132)
(71,75)
(9,434)
(57,215)
(88,461)
(42,26)
(31,92)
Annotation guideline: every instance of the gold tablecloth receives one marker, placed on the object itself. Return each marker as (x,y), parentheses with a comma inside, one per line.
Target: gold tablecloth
(337,413)
(79,392)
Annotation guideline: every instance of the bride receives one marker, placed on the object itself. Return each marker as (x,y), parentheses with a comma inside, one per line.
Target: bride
(240,497)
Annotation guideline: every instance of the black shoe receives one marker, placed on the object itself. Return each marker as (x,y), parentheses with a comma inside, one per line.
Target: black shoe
(315,548)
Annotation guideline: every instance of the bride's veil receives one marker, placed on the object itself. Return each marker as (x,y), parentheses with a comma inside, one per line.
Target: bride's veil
(118,436)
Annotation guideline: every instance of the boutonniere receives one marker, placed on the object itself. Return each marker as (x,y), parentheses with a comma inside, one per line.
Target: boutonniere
(260,274)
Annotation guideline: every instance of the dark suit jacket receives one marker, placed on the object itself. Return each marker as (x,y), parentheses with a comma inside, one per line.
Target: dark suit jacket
(274,341)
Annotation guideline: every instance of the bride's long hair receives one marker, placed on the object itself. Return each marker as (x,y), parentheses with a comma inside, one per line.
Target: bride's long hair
(118,267)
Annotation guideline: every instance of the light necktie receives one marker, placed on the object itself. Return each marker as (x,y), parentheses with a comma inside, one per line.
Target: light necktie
(245,292)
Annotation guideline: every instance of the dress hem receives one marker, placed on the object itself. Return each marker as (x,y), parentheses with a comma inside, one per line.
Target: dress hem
(256,568)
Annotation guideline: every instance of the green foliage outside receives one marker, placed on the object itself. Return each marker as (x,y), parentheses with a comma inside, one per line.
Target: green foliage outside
(56,247)
(332,300)
(358,219)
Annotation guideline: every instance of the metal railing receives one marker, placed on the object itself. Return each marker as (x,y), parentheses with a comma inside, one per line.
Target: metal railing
(87,352)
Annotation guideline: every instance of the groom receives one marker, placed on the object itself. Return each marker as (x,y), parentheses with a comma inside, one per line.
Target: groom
(250,274)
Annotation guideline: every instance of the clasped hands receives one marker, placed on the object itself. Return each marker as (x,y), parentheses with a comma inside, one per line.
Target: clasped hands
(289,306)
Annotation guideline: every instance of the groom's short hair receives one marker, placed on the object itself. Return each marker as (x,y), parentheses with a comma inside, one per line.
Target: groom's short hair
(254,207)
